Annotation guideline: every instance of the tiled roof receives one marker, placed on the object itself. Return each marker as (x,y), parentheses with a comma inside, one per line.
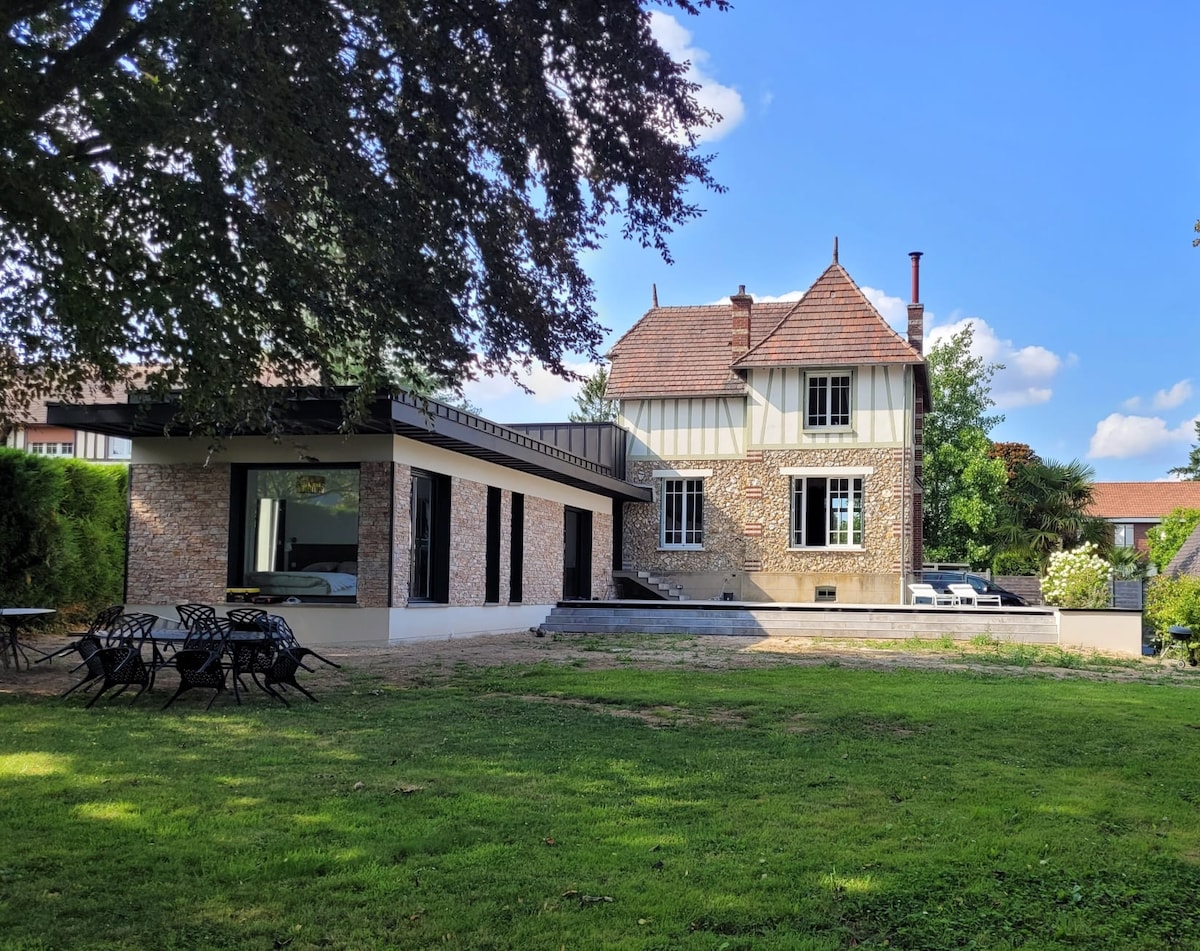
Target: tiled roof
(833,323)
(685,351)
(92,394)
(1187,559)
(1115,500)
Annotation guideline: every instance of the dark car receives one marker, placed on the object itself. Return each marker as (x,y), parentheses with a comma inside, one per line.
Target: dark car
(940,579)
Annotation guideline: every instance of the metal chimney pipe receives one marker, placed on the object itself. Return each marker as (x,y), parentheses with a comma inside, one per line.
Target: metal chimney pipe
(916,275)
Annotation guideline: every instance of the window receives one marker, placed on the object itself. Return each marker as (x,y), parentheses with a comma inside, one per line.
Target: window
(827,512)
(491,560)
(66,448)
(119,448)
(295,531)
(516,548)
(429,571)
(828,400)
(39,448)
(1123,535)
(682,513)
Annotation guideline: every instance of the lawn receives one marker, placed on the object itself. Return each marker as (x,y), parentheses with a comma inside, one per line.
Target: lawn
(548,806)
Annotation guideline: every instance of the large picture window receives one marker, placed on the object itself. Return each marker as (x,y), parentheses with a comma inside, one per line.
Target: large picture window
(828,400)
(298,534)
(827,512)
(682,513)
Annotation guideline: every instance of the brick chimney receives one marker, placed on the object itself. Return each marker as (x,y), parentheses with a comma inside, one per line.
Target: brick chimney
(916,310)
(739,341)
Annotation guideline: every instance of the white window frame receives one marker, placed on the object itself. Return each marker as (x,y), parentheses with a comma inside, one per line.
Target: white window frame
(848,486)
(687,534)
(120,447)
(66,449)
(822,388)
(1123,530)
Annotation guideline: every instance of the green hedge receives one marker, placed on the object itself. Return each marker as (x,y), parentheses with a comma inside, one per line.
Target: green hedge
(62,533)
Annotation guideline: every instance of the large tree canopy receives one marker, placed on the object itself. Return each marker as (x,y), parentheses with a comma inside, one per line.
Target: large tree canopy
(234,190)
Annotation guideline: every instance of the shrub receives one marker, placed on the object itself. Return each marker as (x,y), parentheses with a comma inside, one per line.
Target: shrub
(62,532)
(1077,578)
(1166,538)
(1172,601)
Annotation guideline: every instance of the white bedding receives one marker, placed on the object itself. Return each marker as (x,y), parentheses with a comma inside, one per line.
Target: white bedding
(304,582)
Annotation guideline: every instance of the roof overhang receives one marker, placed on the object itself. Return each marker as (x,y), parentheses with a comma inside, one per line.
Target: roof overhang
(424,421)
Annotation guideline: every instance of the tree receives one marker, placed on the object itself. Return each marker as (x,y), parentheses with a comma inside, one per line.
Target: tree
(1013,455)
(593,407)
(1045,511)
(1191,471)
(962,482)
(1167,537)
(232,192)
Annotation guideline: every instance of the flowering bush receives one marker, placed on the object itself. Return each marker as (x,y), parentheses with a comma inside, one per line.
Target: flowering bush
(1077,579)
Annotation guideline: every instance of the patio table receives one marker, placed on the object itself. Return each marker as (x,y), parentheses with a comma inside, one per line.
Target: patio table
(12,619)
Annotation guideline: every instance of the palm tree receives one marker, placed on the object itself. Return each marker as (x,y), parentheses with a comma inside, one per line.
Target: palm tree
(1046,510)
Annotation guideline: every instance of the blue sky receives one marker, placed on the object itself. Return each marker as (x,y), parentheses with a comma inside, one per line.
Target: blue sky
(1044,157)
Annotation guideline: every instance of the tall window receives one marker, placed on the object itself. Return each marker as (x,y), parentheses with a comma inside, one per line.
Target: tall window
(828,400)
(682,513)
(429,578)
(1123,535)
(827,512)
(298,531)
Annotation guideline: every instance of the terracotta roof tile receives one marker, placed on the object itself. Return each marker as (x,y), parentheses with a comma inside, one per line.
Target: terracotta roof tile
(685,351)
(1115,500)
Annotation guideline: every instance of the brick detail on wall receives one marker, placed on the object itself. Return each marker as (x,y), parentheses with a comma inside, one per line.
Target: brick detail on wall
(375,503)
(543,575)
(468,541)
(752,529)
(178,533)
(754,492)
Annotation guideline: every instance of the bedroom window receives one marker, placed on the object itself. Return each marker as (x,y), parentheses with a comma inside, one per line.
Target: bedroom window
(297,535)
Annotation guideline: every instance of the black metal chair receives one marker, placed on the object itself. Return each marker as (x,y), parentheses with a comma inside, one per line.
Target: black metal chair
(190,613)
(199,661)
(253,657)
(285,638)
(99,623)
(119,666)
(246,619)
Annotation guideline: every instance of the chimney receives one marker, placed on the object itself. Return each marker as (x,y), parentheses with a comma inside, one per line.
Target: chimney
(916,310)
(739,342)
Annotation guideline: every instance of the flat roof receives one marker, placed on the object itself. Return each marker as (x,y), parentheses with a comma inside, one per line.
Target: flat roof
(426,421)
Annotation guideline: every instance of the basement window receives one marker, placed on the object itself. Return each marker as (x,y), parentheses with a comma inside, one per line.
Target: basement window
(826,592)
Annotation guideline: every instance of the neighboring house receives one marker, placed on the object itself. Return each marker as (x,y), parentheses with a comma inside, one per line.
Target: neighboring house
(1187,559)
(782,442)
(34,434)
(426,522)
(1136,507)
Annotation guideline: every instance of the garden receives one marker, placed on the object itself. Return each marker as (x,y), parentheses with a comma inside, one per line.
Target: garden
(625,792)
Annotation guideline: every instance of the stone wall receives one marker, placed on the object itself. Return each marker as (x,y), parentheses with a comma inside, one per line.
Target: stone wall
(602,554)
(178,534)
(543,576)
(374,533)
(468,541)
(747,516)
(401,532)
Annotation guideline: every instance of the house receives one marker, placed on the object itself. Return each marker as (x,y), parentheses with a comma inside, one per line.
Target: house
(35,434)
(781,442)
(426,522)
(1134,508)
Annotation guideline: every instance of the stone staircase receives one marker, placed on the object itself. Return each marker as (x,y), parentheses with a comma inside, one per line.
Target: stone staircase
(653,585)
(754,619)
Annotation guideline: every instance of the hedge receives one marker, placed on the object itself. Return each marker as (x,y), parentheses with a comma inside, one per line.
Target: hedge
(62,533)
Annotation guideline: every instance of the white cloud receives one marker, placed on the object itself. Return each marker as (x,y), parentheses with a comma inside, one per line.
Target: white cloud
(547,388)
(1028,371)
(1134,402)
(727,101)
(1180,393)
(1118,436)
(892,309)
(766,298)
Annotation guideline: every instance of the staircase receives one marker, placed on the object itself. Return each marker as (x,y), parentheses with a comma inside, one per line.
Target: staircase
(755,619)
(653,585)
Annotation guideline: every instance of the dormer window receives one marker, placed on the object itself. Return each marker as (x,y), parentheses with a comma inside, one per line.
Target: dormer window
(828,400)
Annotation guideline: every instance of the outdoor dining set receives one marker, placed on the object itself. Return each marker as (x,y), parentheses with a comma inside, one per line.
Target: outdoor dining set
(204,650)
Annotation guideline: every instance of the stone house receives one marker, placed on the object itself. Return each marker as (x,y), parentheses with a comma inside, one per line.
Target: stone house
(781,442)
(427,522)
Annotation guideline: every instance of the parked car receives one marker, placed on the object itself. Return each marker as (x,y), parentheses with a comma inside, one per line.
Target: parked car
(940,580)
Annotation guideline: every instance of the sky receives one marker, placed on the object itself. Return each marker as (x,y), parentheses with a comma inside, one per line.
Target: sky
(1044,157)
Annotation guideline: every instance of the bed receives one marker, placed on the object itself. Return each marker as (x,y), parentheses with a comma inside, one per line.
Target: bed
(318,579)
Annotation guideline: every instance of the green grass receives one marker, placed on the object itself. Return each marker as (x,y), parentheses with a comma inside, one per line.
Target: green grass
(548,806)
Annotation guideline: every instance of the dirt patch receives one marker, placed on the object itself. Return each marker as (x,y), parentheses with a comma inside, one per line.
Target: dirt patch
(433,662)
